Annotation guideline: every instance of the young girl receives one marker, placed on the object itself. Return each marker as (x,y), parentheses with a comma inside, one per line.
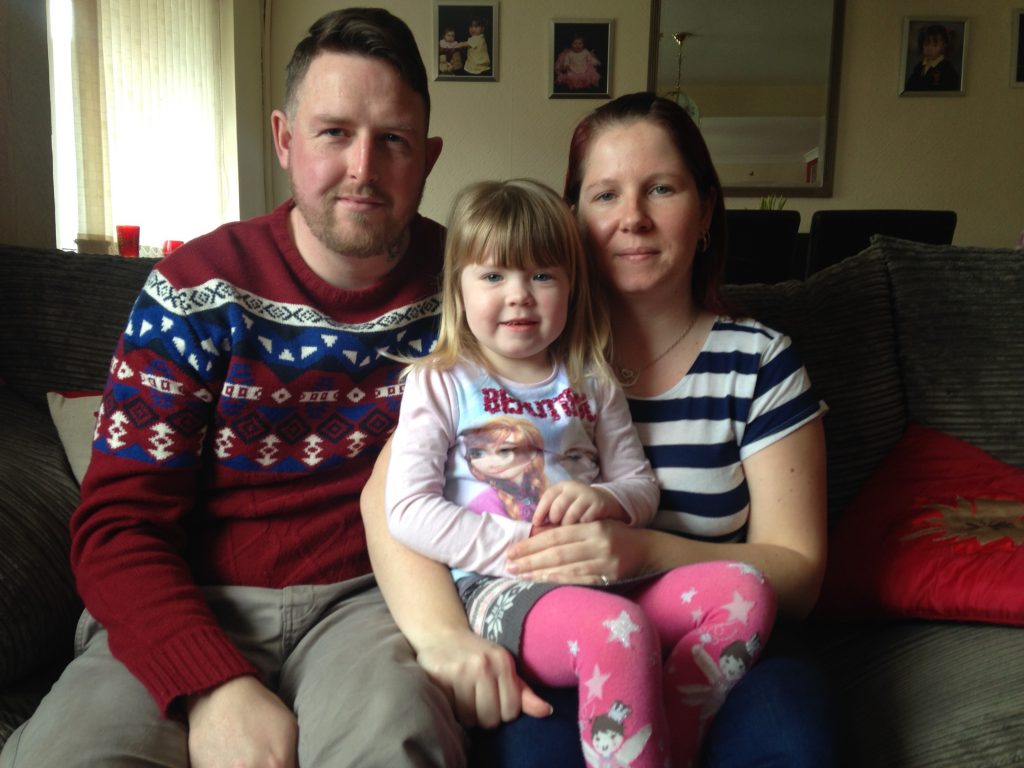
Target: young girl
(512,424)
(576,66)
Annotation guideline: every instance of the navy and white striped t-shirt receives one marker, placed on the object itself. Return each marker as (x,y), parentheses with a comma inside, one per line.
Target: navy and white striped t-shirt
(745,391)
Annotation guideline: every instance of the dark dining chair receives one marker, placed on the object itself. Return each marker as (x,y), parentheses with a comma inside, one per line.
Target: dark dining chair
(836,235)
(760,245)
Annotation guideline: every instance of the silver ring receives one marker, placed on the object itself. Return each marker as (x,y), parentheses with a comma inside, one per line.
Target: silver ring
(604,580)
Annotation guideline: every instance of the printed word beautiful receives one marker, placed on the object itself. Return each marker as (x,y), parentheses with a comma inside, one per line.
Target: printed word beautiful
(567,403)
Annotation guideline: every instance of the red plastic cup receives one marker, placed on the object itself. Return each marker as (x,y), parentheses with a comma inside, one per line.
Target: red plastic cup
(170,246)
(128,240)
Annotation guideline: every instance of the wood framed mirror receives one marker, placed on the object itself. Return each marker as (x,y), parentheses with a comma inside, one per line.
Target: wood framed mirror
(762,81)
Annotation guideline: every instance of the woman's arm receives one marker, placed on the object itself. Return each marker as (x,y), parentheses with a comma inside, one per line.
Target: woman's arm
(786,537)
(478,676)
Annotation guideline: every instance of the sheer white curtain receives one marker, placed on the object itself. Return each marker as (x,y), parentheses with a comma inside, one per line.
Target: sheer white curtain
(149,135)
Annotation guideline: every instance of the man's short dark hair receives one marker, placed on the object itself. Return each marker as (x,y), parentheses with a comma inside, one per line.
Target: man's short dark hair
(370,32)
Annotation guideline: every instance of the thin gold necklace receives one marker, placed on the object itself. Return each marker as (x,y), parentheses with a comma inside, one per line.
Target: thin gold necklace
(629,376)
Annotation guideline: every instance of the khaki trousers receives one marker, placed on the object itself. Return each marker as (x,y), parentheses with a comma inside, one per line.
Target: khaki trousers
(332,653)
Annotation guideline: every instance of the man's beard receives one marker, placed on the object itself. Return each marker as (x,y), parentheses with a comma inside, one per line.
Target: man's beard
(354,234)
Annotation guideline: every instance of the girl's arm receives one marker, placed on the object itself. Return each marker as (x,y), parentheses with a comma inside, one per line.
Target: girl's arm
(626,488)
(786,537)
(418,514)
(478,676)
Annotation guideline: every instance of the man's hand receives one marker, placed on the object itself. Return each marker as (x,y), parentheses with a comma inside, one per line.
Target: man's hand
(480,679)
(570,502)
(241,723)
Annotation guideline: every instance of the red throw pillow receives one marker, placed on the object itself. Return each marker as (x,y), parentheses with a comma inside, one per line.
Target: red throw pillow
(936,533)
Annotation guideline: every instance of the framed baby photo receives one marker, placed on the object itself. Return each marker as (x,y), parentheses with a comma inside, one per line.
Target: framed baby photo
(581,59)
(1017,48)
(466,36)
(933,56)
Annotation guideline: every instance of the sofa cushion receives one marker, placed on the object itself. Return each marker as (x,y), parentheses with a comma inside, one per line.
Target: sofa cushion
(937,533)
(37,594)
(62,314)
(841,322)
(962,359)
(74,416)
(922,694)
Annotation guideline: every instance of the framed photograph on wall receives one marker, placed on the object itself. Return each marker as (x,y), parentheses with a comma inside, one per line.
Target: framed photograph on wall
(467,41)
(1017,48)
(581,59)
(933,56)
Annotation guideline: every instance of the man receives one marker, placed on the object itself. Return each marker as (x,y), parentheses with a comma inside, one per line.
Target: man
(218,546)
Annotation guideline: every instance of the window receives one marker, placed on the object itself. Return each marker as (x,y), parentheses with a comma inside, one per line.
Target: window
(139,129)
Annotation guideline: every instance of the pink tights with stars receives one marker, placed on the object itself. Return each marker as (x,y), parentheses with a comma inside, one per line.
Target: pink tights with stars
(653,665)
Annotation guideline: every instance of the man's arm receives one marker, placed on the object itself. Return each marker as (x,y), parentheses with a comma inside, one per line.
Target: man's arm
(478,676)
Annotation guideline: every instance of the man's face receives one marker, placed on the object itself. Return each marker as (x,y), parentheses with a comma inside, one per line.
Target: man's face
(356,153)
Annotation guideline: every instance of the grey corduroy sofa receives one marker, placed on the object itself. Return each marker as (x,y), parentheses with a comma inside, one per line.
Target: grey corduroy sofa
(900,333)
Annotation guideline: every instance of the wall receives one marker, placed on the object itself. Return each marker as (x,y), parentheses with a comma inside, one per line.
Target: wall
(963,153)
(491,129)
(26,158)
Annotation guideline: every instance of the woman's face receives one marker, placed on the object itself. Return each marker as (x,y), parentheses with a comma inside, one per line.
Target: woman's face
(640,210)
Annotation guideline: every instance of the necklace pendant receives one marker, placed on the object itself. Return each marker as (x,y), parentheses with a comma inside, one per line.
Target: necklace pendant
(627,376)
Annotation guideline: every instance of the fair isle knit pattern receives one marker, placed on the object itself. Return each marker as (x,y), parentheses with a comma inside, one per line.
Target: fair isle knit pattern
(746,390)
(294,388)
(246,405)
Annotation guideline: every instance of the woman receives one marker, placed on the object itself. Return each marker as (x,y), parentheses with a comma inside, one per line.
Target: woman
(751,482)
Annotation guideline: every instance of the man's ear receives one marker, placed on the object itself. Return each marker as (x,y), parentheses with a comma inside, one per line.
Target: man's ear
(434,146)
(282,131)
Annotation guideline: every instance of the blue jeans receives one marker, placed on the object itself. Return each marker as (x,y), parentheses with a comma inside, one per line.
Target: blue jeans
(778,715)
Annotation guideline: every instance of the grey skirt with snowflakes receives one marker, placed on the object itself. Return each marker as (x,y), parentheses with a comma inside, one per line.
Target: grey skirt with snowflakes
(497,607)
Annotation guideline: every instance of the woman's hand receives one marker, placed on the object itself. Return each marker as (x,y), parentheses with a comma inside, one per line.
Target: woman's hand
(480,680)
(587,553)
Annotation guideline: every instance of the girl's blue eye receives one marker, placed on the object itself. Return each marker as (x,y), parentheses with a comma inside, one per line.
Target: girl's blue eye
(543,277)
(491,277)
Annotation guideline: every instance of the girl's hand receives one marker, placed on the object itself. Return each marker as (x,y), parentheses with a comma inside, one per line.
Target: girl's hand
(588,553)
(480,679)
(571,502)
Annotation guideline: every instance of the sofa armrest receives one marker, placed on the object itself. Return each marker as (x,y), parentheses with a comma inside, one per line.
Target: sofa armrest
(37,496)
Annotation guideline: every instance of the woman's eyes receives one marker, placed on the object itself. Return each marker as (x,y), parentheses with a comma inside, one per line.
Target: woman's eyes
(658,190)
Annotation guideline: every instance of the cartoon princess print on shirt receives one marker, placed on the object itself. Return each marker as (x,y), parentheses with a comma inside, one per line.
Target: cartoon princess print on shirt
(508,455)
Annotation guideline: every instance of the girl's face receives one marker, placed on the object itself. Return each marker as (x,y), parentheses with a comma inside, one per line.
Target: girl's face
(733,667)
(449,37)
(607,742)
(577,44)
(933,47)
(502,460)
(515,315)
(641,211)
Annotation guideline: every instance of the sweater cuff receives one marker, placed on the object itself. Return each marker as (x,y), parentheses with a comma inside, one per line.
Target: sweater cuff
(197,662)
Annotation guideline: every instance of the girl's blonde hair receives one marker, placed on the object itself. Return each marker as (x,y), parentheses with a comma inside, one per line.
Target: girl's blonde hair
(521,224)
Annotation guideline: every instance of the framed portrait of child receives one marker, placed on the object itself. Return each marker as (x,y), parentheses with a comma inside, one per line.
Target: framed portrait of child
(467,41)
(933,56)
(581,59)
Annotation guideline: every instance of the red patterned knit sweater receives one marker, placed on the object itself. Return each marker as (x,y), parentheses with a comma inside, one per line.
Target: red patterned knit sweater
(246,404)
